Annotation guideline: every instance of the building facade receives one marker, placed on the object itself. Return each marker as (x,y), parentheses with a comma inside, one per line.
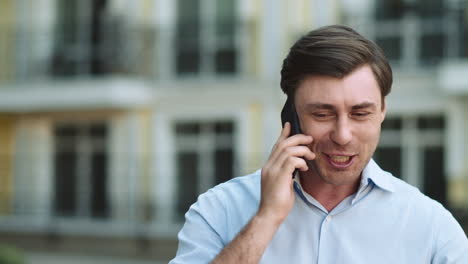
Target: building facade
(424,139)
(116,114)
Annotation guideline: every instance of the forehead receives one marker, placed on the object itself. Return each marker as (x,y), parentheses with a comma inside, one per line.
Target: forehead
(355,88)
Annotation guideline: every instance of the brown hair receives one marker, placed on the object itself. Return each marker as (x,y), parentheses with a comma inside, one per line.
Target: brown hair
(333,51)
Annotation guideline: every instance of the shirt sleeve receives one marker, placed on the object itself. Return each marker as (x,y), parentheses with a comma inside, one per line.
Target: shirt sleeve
(451,243)
(201,237)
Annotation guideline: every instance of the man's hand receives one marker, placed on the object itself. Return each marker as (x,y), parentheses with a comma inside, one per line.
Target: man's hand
(277,199)
(277,194)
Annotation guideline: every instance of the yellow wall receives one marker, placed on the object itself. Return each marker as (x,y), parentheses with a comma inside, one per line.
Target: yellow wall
(6,162)
(148,37)
(457,191)
(254,159)
(458,183)
(148,10)
(7,15)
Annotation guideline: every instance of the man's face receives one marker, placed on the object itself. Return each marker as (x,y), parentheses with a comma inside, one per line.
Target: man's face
(344,117)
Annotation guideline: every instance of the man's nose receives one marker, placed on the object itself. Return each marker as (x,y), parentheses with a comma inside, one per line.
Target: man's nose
(342,132)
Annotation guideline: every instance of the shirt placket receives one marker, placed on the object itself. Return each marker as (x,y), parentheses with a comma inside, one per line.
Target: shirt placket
(322,256)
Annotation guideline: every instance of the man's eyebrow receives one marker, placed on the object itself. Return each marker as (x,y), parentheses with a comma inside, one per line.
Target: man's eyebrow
(324,106)
(315,106)
(364,105)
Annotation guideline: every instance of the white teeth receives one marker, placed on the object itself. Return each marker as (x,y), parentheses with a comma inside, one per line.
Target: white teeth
(340,159)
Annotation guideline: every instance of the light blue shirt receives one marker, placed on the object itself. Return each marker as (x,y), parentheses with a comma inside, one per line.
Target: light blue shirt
(385,221)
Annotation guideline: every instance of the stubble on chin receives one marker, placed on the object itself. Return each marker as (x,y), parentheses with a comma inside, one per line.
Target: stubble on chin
(338,177)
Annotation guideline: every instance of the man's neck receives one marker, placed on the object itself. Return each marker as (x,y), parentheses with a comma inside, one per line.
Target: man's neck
(327,194)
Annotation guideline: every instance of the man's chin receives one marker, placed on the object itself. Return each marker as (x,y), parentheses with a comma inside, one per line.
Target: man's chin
(333,175)
(339,176)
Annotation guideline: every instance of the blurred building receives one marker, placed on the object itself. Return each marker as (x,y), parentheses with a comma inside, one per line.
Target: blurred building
(116,114)
(424,139)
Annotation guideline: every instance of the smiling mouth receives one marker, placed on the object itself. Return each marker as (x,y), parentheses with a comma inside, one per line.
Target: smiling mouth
(340,161)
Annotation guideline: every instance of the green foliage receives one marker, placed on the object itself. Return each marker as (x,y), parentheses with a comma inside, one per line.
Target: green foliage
(11,255)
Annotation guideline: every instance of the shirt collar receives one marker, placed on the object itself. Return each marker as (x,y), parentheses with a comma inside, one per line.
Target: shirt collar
(382,179)
(371,173)
(304,195)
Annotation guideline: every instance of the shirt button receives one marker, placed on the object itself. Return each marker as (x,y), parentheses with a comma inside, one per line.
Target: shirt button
(329,218)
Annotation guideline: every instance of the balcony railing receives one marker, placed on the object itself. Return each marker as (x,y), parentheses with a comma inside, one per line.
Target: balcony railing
(121,49)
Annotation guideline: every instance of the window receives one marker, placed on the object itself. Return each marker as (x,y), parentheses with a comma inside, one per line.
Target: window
(391,46)
(91,40)
(416,32)
(205,41)
(389,152)
(411,148)
(430,8)
(397,9)
(463,31)
(392,9)
(432,47)
(389,159)
(204,157)
(80,161)
(434,184)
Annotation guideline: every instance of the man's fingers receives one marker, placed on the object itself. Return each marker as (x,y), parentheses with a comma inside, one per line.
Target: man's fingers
(293,163)
(283,135)
(285,141)
(298,151)
(302,152)
(295,140)
(284,132)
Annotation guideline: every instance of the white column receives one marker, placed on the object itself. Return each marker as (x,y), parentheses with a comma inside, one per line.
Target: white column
(411,157)
(133,41)
(245,34)
(271,39)
(45,18)
(455,137)
(411,40)
(23,41)
(324,13)
(243,140)
(163,173)
(133,174)
(118,167)
(45,170)
(465,133)
(165,20)
(33,169)
(125,167)
(361,16)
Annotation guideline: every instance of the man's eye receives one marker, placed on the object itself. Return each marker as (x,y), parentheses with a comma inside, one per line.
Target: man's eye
(322,115)
(361,114)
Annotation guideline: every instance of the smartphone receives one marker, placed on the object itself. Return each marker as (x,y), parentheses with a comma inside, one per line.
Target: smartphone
(288,114)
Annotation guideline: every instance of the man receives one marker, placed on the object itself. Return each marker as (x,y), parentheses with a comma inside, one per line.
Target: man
(341,207)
